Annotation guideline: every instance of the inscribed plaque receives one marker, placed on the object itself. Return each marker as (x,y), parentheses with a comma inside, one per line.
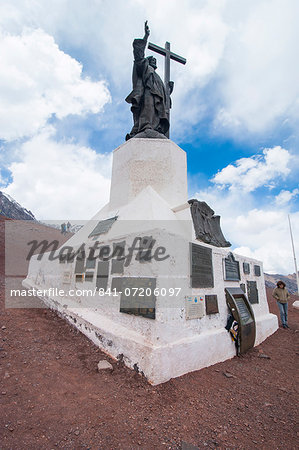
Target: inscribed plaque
(79,267)
(201,266)
(257,271)
(90,263)
(232,268)
(211,304)
(195,307)
(116,284)
(137,297)
(244,313)
(103,227)
(246,267)
(253,296)
(102,275)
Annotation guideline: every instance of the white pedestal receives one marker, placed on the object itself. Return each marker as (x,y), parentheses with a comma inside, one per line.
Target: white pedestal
(139,163)
(149,180)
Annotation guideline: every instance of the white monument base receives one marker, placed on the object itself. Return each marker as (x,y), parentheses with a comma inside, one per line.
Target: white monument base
(169,327)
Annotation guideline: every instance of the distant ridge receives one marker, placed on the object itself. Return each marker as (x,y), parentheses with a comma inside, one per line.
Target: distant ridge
(289,280)
(12,209)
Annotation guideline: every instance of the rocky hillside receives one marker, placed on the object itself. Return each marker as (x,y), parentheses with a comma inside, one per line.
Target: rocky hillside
(289,280)
(12,209)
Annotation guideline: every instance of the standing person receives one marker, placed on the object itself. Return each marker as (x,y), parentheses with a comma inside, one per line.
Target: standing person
(281,295)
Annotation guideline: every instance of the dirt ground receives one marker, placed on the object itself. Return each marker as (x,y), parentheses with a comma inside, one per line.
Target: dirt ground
(53,397)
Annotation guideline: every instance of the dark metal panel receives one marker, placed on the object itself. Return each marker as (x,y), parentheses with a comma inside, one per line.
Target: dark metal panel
(246,268)
(90,263)
(201,266)
(103,227)
(137,297)
(80,264)
(257,271)
(232,268)
(211,304)
(117,266)
(116,284)
(252,290)
(102,275)
(243,314)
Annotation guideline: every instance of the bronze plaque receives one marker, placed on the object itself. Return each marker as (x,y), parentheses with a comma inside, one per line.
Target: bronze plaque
(117,265)
(257,271)
(242,312)
(90,263)
(211,304)
(246,268)
(253,296)
(137,296)
(103,227)
(116,284)
(201,266)
(232,268)
(80,261)
(102,275)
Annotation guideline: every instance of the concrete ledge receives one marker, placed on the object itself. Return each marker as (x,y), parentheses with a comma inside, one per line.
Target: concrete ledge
(157,363)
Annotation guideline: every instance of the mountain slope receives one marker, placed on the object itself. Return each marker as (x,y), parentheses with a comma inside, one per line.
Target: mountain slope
(289,280)
(12,209)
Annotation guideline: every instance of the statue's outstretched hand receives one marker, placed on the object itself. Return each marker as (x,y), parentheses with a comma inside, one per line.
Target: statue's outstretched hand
(146,29)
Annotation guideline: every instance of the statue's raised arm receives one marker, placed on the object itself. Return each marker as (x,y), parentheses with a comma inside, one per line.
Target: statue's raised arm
(146,31)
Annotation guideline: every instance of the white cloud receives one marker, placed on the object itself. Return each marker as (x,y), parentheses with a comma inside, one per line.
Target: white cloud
(250,173)
(259,75)
(285,196)
(38,80)
(255,231)
(60,180)
(266,237)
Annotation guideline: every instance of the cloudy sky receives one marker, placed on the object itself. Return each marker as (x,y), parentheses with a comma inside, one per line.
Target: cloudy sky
(66,69)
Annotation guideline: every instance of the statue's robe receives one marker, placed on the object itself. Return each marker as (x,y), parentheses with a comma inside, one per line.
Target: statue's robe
(148,97)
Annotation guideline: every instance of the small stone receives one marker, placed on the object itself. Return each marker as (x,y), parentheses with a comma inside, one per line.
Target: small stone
(6,375)
(263,355)
(77,432)
(3,328)
(104,365)
(229,375)
(268,404)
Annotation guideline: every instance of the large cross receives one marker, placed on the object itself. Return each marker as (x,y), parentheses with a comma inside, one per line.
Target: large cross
(168,56)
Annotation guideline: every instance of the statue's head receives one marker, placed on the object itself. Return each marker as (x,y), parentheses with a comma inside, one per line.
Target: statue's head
(152,61)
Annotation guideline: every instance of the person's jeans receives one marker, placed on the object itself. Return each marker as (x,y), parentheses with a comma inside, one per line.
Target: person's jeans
(283,309)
